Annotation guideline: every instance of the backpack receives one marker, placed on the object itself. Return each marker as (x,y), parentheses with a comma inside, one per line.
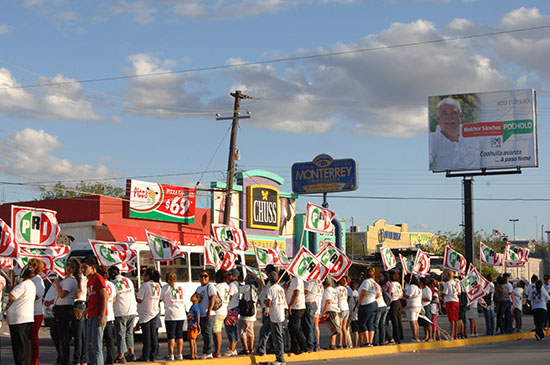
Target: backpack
(217,303)
(247,308)
(387,297)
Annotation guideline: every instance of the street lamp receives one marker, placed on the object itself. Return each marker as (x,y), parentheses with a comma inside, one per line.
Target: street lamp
(514,220)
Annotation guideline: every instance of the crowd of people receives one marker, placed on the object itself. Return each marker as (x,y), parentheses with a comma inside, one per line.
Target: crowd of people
(98,308)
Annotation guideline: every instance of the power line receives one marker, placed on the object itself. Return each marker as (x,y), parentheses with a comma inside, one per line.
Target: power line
(280,60)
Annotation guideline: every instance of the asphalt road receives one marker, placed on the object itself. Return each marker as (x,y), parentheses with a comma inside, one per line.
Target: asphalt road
(502,353)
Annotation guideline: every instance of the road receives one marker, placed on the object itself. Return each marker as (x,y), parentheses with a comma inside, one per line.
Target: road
(504,353)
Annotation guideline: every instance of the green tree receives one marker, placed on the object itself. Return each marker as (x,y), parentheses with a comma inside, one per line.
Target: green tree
(83,188)
(456,240)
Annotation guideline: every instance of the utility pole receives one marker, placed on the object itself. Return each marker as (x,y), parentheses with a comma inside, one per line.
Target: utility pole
(231,161)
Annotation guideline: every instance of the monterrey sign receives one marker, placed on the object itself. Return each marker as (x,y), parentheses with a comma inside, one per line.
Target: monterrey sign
(324,175)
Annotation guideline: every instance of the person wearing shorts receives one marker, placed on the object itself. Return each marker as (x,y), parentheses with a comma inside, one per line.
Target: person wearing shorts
(450,293)
(222,290)
(248,292)
(413,294)
(342,296)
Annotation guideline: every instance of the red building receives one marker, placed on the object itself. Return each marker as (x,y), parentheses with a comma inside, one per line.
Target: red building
(105,218)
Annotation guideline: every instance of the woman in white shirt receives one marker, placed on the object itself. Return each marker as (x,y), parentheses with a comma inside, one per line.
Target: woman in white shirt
(413,294)
(222,289)
(396,293)
(342,296)
(109,335)
(369,291)
(330,307)
(148,298)
(63,309)
(20,317)
(173,296)
(426,304)
(539,297)
(37,268)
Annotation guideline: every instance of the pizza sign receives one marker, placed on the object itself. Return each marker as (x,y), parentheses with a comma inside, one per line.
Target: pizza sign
(161,202)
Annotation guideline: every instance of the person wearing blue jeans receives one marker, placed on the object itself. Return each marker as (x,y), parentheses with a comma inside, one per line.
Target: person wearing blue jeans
(275,303)
(96,312)
(308,325)
(265,332)
(208,294)
(489,312)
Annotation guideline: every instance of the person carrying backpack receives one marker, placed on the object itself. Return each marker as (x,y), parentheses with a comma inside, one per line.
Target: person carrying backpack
(248,297)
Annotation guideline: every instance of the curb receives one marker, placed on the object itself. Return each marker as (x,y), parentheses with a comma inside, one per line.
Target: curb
(358,352)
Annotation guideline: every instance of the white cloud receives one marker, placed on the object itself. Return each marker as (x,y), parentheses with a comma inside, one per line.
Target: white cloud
(381,92)
(164,96)
(141,11)
(30,155)
(5,29)
(61,102)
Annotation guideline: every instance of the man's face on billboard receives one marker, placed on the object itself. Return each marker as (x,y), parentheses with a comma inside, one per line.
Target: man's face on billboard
(448,117)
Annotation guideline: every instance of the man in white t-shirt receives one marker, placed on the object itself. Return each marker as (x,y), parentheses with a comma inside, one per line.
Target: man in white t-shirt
(517,305)
(109,334)
(275,305)
(296,308)
(125,311)
(232,312)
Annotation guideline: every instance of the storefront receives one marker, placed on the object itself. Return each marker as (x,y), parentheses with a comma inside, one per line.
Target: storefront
(360,244)
(266,214)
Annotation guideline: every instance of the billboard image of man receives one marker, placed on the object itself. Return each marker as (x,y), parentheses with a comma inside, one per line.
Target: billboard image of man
(448,149)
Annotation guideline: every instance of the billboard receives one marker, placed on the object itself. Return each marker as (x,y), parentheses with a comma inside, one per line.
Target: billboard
(324,175)
(161,202)
(491,130)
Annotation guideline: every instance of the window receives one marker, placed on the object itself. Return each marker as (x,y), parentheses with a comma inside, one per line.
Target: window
(178,266)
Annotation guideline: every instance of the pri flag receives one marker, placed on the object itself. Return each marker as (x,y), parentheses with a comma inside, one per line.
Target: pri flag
(335,260)
(215,255)
(52,257)
(235,237)
(162,249)
(319,219)
(407,264)
(113,253)
(306,266)
(388,258)
(34,226)
(8,247)
(489,256)
(454,261)
(473,285)
(516,254)
(421,263)
(256,272)
(6,264)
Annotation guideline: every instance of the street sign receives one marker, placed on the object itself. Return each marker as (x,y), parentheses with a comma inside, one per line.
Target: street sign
(324,175)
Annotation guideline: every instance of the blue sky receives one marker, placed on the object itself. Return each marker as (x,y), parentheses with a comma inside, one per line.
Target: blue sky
(370,106)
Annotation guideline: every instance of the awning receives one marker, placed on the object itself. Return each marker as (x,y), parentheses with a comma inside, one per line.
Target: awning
(136,234)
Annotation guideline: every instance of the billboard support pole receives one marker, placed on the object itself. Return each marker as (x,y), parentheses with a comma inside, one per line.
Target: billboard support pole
(469,220)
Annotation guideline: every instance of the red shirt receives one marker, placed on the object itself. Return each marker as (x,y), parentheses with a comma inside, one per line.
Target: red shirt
(95,285)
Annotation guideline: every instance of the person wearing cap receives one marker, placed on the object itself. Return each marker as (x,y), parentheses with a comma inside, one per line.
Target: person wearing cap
(231,321)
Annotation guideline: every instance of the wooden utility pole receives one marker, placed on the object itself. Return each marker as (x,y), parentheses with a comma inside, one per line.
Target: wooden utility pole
(231,161)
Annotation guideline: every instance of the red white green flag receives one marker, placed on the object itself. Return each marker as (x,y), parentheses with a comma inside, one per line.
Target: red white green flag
(515,253)
(235,237)
(162,249)
(34,226)
(388,258)
(306,266)
(319,219)
(407,264)
(454,261)
(8,247)
(473,285)
(215,255)
(421,263)
(53,258)
(113,253)
(335,260)
(490,257)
